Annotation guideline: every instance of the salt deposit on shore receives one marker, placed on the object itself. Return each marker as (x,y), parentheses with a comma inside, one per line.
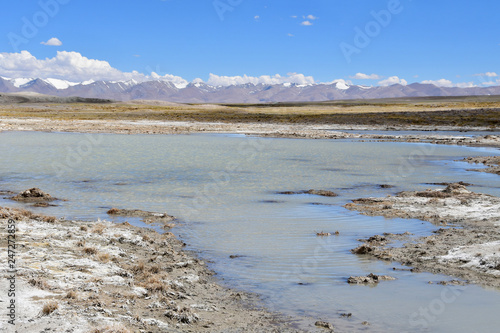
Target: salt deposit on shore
(466,246)
(97,276)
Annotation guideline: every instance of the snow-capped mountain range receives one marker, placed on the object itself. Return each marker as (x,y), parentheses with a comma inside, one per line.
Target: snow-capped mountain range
(201,92)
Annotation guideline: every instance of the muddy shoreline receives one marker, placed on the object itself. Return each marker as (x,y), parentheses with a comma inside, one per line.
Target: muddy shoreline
(466,245)
(97,276)
(307,131)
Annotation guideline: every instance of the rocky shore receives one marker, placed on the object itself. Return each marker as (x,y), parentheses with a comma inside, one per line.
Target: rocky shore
(466,246)
(75,276)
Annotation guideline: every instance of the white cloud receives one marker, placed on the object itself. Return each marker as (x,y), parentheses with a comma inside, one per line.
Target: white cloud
(448,84)
(256,17)
(306,23)
(71,66)
(216,80)
(465,85)
(361,76)
(291,35)
(294,16)
(52,42)
(439,83)
(392,80)
(311,17)
(488,74)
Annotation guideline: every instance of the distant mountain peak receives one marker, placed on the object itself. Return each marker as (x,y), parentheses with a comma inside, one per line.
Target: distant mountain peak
(199,91)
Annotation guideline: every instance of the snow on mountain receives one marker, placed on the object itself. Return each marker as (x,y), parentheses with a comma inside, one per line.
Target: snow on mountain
(60,84)
(341,85)
(20,82)
(174,89)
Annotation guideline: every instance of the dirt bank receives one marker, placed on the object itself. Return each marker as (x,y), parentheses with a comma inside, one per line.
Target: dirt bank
(92,276)
(492,163)
(308,131)
(467,246)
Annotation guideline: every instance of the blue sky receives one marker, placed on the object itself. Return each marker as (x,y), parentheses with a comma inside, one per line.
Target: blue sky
(412,40)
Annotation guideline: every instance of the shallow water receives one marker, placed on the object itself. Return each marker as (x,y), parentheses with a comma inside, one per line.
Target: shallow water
(223,189)
(463,133)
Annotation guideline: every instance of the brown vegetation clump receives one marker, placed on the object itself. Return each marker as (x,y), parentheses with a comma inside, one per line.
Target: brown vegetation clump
(450,191)
(155,269)
(154,284)
(49,307)
(49,219)
(363,249)
(39,283)
(322,193)
(71,295)
(89,250)
(139,268)
(23,213)
(113,211)
(103,257)
(20,214)
(98,229)
(433,194)
(33,195)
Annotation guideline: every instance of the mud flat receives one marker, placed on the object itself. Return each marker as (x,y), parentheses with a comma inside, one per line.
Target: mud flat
(75,276)
(467,246)
(274,130)
(492,163)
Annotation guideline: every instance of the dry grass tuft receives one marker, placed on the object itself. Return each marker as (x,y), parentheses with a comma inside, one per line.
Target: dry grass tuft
(155,269)
(83,228)
(39,283)
(71,295)
(113,211)
(139,268)
(22,214)
(49,307)
(99,229)
(49,219)
(154,284)
(103,257)
(90,250)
